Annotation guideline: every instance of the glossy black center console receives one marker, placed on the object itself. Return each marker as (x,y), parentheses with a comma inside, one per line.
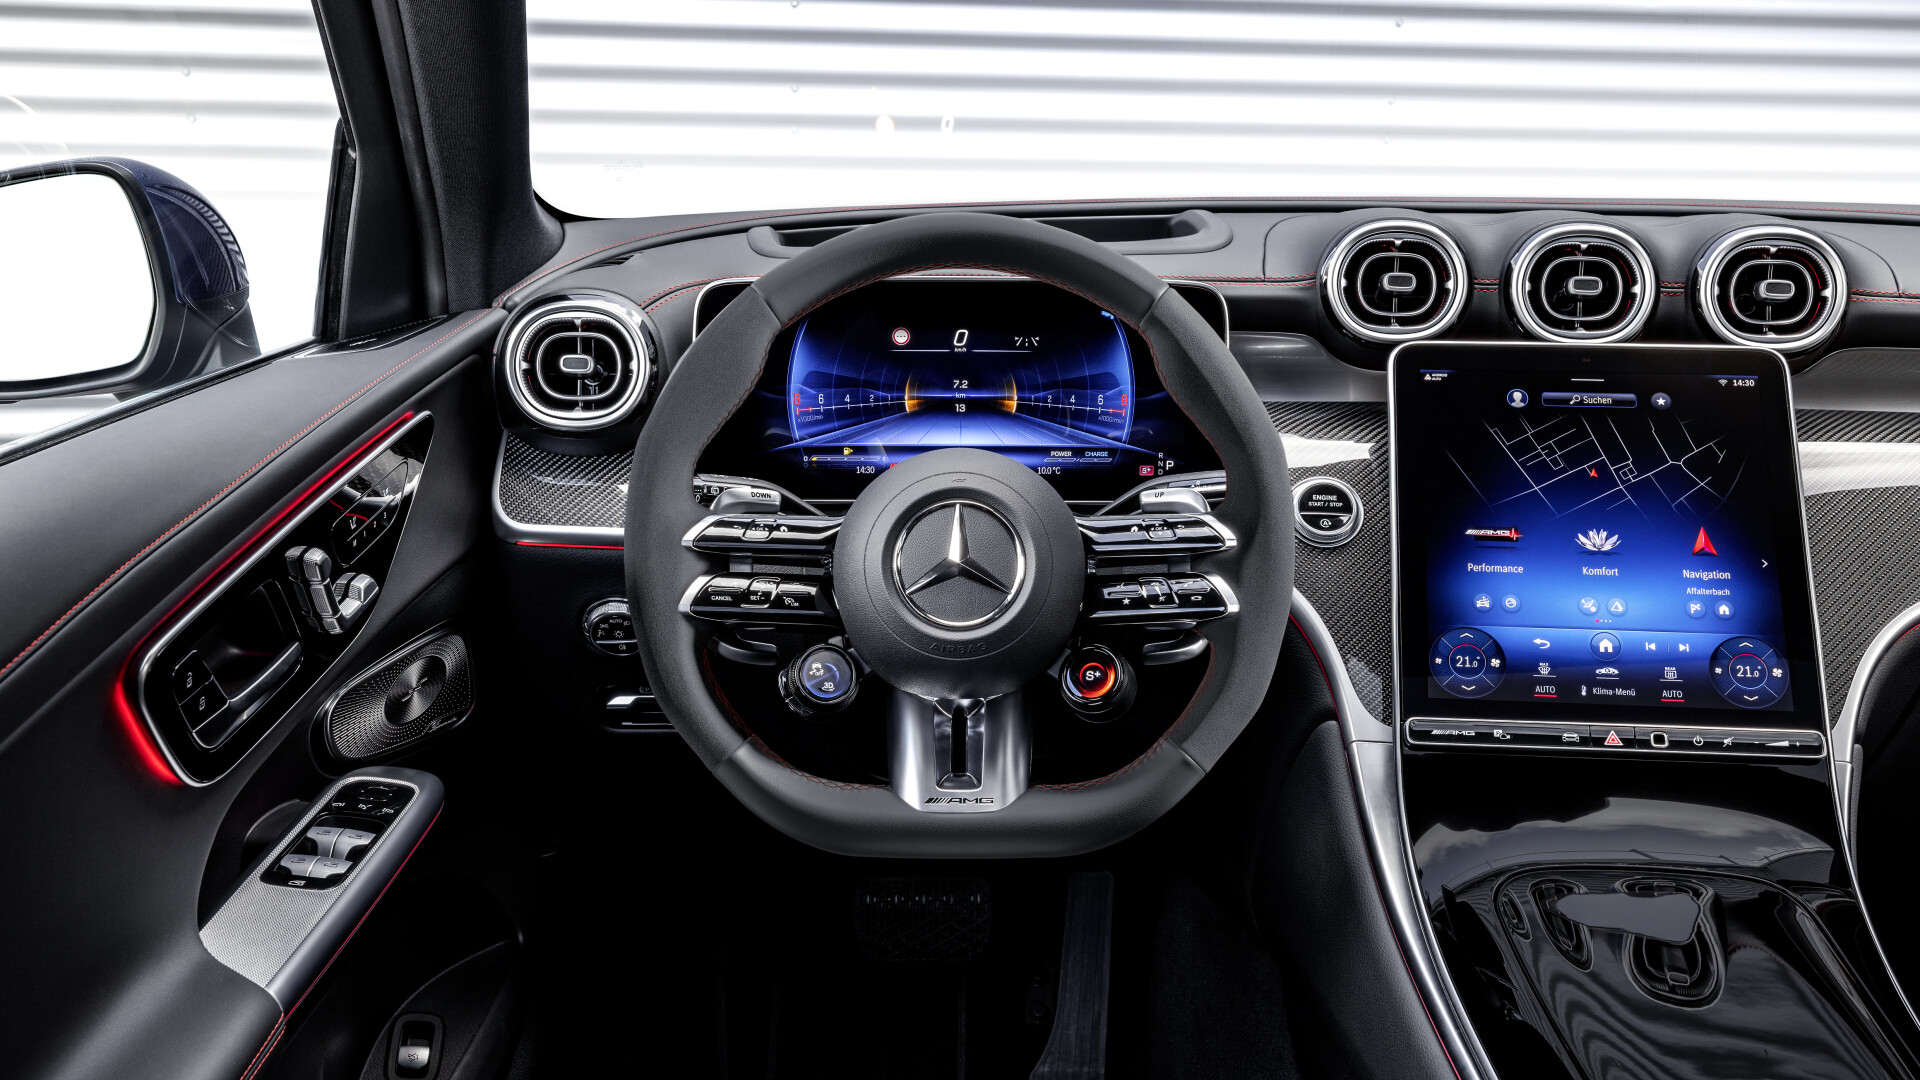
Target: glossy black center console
(1611,725)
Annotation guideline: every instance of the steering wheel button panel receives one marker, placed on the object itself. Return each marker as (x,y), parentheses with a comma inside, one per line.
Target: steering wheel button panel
(1191,534)
(742,534)
(1158,599)
(761,600)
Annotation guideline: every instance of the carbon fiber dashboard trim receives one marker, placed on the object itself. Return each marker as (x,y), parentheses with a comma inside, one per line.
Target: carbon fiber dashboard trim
(1351,585)
(541,494)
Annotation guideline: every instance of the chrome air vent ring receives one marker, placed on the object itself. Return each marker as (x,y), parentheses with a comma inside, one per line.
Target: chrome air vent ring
(1772,285)
(578,363)
(1581,281)
(1395,280)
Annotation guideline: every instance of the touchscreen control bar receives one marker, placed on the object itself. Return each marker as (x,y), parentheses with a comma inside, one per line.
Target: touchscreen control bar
(1624,739)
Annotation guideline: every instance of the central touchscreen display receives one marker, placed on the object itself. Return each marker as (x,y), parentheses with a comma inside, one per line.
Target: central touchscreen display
(1600,529)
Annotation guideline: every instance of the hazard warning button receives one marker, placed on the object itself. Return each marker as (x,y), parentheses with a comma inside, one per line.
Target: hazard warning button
(1611,737)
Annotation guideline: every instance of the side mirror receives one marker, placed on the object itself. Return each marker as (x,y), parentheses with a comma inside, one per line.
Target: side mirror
(115,277)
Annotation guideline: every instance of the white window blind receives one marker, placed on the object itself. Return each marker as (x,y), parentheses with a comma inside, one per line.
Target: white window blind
(704,105)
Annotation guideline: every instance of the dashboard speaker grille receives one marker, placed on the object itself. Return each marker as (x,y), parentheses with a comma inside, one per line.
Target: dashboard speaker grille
(1393,281)
(1582,281)
(578,364)
(408,696)
(1781,287)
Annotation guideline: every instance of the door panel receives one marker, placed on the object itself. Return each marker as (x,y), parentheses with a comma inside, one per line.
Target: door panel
(103,537)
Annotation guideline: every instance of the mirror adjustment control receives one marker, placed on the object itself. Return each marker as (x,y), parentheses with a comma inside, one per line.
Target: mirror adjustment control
(1097,683)
(820,681)
(609,627)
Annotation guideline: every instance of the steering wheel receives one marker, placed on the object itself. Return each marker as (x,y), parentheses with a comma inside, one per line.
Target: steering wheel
(954,650)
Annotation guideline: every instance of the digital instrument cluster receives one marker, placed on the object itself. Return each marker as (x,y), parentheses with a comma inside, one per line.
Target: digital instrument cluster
(903,367)
(1600,529)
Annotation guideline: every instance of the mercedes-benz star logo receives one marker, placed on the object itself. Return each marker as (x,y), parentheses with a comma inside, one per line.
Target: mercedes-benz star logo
(989,571)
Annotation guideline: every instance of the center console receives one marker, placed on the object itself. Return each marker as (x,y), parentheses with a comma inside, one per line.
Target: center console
(1611,722)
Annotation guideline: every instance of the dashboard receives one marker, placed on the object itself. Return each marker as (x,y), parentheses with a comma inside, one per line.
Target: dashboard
(1558,498)
(903,367)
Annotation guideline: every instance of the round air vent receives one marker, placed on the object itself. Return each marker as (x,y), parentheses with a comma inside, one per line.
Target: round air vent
(1394,281)
(578,364)
(1772,285)
(1581,281)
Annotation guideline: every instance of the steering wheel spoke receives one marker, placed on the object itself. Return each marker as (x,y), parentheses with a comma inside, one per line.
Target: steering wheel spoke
(959,755)
(1165,535)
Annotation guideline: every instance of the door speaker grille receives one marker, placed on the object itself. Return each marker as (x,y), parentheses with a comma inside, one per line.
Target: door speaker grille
(423,688)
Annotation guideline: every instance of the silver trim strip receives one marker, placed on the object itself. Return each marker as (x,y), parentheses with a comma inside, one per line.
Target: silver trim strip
(700,302)
(1520,267)
(1375,765)
(1842,736)
(1707,288)
(271,545)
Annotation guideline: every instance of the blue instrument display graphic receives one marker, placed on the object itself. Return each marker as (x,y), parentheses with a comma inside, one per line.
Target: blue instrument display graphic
(1018,368)
(1050,396)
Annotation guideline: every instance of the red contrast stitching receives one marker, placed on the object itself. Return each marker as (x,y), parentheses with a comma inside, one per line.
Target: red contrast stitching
(1883,300)
(671,299)
(645,304)
(1883,292)
(218,495)
(260,1056)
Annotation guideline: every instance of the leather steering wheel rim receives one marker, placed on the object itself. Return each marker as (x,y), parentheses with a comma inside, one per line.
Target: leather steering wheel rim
(719,371)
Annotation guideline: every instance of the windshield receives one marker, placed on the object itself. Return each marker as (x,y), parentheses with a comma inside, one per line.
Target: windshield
(674,107)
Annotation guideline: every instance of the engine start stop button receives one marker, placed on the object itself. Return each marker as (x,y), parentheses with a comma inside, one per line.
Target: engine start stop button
(1326,512)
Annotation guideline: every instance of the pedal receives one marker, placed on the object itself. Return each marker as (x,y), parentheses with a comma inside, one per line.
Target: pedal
(923,918)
